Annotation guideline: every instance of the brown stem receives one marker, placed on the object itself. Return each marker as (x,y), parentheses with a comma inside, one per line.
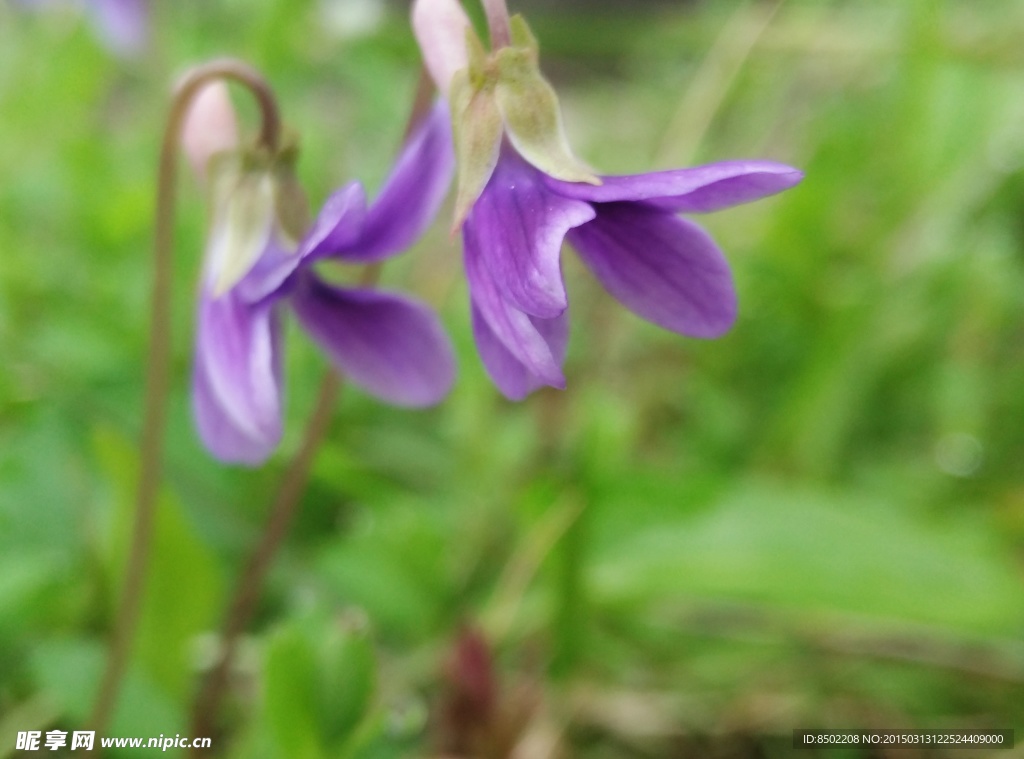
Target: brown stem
(282,511)
(498,23)
(159,358)
(421,102)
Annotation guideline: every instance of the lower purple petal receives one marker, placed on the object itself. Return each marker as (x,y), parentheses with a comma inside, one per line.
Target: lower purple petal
(695,190)
(237,379)
(511,376)
(393,347)
(512,328)
(666,269)
(222,436)
(519,225)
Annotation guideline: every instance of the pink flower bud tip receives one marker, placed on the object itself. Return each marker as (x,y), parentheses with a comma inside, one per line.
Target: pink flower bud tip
(440,28)
(211,127)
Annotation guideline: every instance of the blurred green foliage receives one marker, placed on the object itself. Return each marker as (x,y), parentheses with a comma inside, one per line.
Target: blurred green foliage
(817,521)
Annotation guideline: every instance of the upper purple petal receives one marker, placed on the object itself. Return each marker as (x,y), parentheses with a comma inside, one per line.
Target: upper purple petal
(519,224)
(237,378)
(512,377)
(338,225)
(411,195)
(393,347)
(664,268)
(696,190)
(509,326)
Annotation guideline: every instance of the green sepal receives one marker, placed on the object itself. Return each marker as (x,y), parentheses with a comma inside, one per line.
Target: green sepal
(253,196)
(476,130)
(529,108)
(242,191)
(522,34)
(291,204)
(481,72)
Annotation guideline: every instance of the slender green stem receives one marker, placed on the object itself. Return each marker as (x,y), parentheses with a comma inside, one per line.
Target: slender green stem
(158,362)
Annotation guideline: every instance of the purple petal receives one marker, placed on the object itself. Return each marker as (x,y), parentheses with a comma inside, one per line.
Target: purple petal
(237,379)
(393,347)
(511,376)
(509,326)
(697,190)
(663,268)
(338,225)
(412,194)
(123,24)
(269,274)
(519,225)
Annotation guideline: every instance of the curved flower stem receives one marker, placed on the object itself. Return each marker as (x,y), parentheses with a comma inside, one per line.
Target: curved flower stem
(158,361)
(498,23)
(211,692)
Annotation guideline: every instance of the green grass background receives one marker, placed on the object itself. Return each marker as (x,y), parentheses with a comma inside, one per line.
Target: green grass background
(816,521)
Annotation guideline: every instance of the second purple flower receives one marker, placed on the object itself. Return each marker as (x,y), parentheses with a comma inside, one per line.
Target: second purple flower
(522,192)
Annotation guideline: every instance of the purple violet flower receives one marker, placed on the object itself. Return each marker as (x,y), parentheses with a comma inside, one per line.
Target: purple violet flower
(390,345)
(122,25)
(661,266)
(522,192)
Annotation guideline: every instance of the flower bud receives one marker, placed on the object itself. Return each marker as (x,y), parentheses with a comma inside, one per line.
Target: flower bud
(440,27)
(211,127)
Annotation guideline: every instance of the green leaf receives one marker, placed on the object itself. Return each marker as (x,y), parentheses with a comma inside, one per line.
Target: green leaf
(819,551)
(348,682)
(291,685)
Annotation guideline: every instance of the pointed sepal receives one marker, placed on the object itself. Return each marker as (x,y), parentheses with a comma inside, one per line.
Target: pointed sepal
(290,202)
(476,130)
(243,203)
(529,109)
